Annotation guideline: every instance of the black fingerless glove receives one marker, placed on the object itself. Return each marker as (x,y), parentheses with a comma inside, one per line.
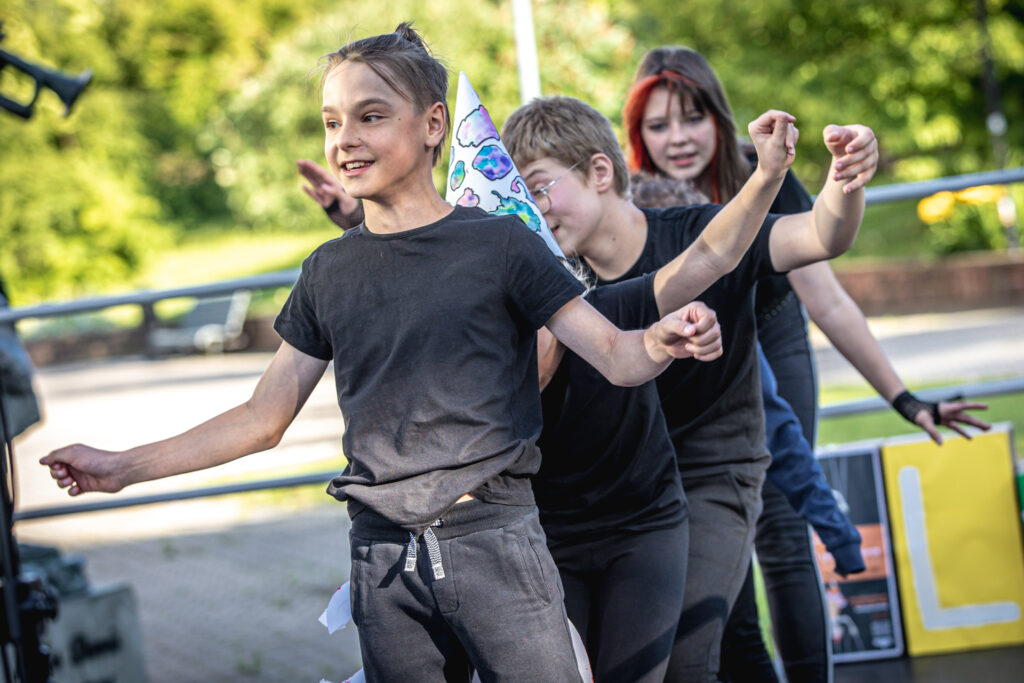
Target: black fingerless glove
(908,405)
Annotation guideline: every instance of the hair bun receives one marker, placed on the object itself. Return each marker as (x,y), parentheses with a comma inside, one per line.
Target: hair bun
(406,31)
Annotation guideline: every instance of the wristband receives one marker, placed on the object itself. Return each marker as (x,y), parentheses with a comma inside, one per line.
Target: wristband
(333,207)
(908,405)
(344,220)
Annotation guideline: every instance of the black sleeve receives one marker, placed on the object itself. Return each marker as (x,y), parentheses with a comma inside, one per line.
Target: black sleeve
(629,304)
(298,323)
(792,197)
(536,280)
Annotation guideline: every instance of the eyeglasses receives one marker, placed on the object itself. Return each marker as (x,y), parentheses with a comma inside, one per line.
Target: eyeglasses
(540,194)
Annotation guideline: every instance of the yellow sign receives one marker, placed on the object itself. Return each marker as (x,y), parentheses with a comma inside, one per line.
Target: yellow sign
(956,531)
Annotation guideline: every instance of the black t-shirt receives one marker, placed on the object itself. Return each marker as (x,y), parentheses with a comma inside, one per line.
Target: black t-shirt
(713,409)
(433,336)
(773,291)
(608,460)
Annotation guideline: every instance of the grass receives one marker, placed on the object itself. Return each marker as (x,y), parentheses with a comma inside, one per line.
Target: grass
(839,430)
(212,254)
(889,231)
(294,498)
(208,254)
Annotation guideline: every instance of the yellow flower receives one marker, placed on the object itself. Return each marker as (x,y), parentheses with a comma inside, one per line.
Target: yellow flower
(937,207)
(982,194)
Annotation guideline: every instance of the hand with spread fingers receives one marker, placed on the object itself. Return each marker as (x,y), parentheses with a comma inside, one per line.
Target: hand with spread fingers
(928,415)
(952,414)
(326,191)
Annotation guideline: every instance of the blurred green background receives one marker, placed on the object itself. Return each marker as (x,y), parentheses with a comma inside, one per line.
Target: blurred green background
(177,164)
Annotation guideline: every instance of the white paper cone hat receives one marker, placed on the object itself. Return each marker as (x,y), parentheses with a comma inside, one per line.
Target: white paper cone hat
(481,172)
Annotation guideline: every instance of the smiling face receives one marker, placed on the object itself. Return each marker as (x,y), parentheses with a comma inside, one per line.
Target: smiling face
(375,142)
(679,138)
(574,210)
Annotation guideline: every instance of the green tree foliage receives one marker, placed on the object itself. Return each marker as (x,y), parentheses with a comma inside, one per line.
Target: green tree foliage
(273,118)
(85,200)
(909,69)
(198,109)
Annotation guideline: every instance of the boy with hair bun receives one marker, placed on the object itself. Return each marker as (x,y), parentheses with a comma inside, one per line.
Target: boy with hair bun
(429,314)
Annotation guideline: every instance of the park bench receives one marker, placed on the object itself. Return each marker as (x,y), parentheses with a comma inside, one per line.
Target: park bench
(213,325)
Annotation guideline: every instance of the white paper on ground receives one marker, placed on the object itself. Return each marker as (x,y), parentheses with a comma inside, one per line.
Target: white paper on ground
(357,677)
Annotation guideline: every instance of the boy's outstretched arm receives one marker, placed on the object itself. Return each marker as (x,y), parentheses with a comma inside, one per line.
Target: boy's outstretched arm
(256,425)
(730,233)
(634,357)
(829,228)
(839,317)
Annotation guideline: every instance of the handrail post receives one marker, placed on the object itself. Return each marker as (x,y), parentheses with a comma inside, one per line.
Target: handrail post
(147,326)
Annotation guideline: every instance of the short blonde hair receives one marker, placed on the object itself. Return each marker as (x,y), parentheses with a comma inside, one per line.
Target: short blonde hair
(566,130)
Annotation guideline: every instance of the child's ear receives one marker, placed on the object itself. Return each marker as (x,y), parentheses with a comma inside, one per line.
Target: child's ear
(601,175)
(435,124)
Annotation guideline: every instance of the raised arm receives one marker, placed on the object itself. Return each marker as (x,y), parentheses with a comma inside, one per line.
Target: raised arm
(829,228)
(325,190)
(256,425)
(841,320)
(630,358)
(727,237)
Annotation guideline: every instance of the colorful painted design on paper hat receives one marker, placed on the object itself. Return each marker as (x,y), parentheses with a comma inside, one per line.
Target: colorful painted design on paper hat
(481,172)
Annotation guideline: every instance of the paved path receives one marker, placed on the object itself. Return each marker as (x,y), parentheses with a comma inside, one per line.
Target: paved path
(229,589)
(938,348)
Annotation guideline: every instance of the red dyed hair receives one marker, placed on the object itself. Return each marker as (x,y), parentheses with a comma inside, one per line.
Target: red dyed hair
(633,114)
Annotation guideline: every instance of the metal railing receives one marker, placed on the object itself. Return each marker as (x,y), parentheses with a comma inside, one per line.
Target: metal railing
(148,297)
(844,409)
(998,387)
(902,191)
(285,278)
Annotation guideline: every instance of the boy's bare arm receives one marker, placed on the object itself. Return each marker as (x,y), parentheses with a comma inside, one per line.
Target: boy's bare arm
(256,425)
(630,358)
(727,237)
(829,228)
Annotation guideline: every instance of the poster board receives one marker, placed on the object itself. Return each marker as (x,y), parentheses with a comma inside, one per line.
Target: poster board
(956,533)
(863,608)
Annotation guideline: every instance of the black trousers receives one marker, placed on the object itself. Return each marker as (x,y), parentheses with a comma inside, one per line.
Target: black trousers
(624,594)
(724,508)
(784,549)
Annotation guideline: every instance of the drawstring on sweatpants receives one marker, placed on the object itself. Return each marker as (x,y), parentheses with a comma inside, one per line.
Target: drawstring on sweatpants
(433,551)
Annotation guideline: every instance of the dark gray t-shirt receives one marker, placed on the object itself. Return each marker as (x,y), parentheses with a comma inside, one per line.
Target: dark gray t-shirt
(433,336)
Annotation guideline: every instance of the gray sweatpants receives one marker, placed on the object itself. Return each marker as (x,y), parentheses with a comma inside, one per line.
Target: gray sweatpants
(497,609)
(724,508)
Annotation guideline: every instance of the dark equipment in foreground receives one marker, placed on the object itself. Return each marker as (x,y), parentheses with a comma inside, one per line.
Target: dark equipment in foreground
(66,86)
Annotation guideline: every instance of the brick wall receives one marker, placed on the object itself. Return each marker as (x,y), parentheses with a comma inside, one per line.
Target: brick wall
(970,281)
